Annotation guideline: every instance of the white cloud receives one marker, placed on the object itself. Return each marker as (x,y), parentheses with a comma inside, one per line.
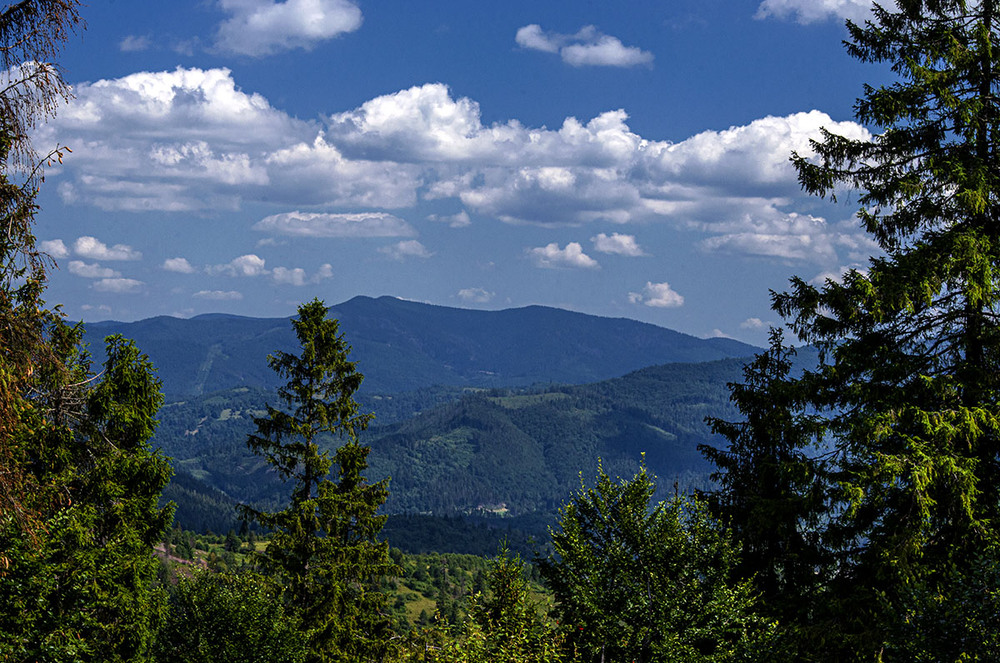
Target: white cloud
(91,271)
(179,265)
(293,276)
(262,27)
(617,244)
(460,220)
(54,247)
(218,295)
(659,295)
(191,140)
(813,11)
(103,308)
(588,47)
(245,265)
(752,323)
(298,277)
(551,256)
(475,295)
(310,224)
(118,285)
(406,249)
(134,43)
(93,248)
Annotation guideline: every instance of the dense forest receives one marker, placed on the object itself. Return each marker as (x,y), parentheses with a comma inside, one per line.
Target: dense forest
(855,496)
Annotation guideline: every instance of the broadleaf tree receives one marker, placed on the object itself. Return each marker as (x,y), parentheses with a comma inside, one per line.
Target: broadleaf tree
(324,548)
(636,581)
(909,377)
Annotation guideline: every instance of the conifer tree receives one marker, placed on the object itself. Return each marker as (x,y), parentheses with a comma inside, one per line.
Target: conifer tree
(909,377)
(771,492)
(324,548)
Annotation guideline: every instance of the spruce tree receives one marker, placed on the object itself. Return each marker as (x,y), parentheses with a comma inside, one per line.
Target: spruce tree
(324,548)
(909,377)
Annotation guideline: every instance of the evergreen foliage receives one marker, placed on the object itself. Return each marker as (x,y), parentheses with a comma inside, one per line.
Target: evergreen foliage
(905,400)
(324,550)
(769,489)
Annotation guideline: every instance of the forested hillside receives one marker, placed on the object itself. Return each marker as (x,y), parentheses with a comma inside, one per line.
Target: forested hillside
(499,452)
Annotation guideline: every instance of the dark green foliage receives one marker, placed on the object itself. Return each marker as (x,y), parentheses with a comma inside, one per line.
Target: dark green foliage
(770,492)
(324,550)
(907,391)
(83,588)
(227,618)
(641,582)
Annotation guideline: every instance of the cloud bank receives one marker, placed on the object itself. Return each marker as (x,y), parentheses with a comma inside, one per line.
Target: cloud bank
(191,140)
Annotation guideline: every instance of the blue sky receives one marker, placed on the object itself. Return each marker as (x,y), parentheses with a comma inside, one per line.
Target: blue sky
(620,159)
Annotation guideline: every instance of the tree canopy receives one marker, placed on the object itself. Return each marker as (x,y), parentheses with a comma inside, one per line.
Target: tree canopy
(904,429)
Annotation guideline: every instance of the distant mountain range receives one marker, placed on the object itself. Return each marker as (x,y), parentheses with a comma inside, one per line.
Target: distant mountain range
(481,413)
(403,346)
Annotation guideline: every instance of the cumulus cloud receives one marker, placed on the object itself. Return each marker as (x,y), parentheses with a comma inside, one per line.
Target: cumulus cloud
(551,256)
(91,271)
(54,247)
(617,244)
(245,265)
(262,27)
(312,224)
(93,248)
(658,295)
(475,295)
(299,277)
(752,323)
(218,295)
(179,265)
(191,140)
(588,47)
(813,11)
(406,249)
(118,285)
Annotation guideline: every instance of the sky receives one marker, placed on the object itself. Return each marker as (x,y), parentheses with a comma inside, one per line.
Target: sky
(618,159)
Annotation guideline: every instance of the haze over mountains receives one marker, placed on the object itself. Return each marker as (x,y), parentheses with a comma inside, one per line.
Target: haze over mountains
(403,345)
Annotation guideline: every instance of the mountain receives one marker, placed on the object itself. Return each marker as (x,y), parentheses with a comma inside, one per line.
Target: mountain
(403,346)
(513,452)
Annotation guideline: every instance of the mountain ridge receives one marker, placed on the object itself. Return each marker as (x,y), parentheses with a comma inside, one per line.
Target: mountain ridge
(401,345)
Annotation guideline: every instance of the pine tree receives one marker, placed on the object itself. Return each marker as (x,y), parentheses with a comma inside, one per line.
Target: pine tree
(909,376)
(324,548)
(770,482)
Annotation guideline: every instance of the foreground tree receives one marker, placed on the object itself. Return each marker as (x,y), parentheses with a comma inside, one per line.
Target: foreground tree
(771,491)
(227,618)
(324,549)
(78,482)
(909,376)
(641,582)
(80,588)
